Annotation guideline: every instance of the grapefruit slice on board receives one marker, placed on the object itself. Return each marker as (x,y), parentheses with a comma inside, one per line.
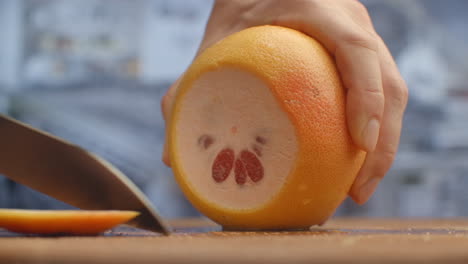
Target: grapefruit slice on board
(258,136)
(48,222)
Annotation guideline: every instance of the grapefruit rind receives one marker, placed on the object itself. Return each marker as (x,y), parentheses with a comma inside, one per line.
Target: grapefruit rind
(77,222)
(304,80)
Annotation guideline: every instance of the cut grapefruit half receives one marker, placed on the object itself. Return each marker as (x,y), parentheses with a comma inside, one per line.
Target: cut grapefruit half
(258,136)
(49,222)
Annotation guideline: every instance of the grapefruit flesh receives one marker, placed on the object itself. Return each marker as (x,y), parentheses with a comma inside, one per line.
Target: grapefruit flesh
(49,222)
(252,141)
(258,136)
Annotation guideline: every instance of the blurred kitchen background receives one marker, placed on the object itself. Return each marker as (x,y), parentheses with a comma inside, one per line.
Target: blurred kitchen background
(93,72)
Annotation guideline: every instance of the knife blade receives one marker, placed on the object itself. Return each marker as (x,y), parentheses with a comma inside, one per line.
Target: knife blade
(70,174)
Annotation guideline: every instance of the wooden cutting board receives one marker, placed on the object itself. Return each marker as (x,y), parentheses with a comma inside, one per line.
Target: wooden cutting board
(200,241)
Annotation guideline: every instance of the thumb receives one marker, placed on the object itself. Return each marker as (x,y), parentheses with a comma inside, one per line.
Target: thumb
(166,108)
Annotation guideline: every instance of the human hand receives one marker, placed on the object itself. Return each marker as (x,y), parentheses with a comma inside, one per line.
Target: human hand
(376,93)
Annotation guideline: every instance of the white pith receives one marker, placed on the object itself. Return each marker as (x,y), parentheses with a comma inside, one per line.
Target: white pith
(234,107)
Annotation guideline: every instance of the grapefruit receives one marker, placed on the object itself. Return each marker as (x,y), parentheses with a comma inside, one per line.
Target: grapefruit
(78,222)
(258,136)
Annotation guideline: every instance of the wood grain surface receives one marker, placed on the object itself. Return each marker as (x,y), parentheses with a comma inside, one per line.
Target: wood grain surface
(200,241)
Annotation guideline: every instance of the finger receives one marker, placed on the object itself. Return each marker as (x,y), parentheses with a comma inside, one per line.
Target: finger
(360,73)
(356,113)
(166,109)
(216,29)
(377,163)
(356,53)
(213,33)
(165,154)
(225,19)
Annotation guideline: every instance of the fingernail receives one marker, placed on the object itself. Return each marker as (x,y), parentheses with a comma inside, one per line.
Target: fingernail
(367,189)
(370,134)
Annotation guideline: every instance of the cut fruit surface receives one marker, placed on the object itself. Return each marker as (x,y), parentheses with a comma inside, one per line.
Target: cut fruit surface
(77,222)
(258,136)
(234,118)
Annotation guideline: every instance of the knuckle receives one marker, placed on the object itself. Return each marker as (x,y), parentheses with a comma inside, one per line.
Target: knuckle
(362,39)
(359,8)
(399,92)
(371,91)
(388,154)
(375,102)
(359,11)
(374,86)
(312,3)
(164,104)
(308,6)
(315,6)
(385,159)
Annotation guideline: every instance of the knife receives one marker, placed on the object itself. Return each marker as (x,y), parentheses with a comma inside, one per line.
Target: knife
(70,174)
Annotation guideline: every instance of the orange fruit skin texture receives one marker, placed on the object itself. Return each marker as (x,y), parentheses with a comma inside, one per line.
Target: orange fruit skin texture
(75,222)
(304,79)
